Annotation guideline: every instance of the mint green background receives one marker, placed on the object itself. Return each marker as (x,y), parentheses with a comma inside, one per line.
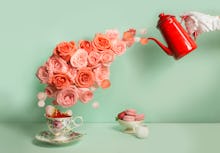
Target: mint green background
(144,78)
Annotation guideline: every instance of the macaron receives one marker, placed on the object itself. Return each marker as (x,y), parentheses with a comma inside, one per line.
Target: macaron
(131,112)
(128,118)
(121,115)
(139,117)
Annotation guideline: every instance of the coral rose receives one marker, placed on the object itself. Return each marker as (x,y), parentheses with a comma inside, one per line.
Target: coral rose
(119,47)
(84,78)
(67,97)
(79,58)
(101,42)
(85,95)
(65,50)
(60,80)
(85,44)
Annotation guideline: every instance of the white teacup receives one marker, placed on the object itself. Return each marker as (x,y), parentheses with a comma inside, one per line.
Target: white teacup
(61,126)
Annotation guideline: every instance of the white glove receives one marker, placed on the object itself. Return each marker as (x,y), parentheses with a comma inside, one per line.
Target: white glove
(197,23)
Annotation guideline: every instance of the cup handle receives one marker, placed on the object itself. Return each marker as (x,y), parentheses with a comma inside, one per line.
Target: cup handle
(80,118)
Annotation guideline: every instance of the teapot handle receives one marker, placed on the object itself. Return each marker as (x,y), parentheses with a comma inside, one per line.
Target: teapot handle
(195,34)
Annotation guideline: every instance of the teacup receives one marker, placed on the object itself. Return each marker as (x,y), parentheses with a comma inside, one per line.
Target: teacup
(61,126)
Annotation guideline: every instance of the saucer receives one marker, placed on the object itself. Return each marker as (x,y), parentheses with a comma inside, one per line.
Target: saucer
(48,137)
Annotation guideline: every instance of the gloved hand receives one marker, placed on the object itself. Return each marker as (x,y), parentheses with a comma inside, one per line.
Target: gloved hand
(197,23)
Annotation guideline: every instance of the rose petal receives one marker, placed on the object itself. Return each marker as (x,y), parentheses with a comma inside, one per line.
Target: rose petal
(143,41)
(105,84)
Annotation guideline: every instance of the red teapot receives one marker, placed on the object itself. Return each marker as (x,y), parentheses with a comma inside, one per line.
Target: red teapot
(178,40)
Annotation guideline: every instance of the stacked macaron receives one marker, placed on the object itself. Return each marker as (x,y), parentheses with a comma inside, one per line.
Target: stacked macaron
(130,115)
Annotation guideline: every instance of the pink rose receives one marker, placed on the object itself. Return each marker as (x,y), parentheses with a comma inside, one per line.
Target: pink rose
(119,47)
(60,80)
(51,91)
(71,73)
(67,97)
(65,50)
(42,74)
(56,64)
(94,58)
(84,78)
(85,95)
(86,45)
(112,34)
(101,73)
(107,57)
(101,42)
(79,58)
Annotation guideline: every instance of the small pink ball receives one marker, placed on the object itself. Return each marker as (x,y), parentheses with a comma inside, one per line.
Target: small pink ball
(95,105)
(42,96)
(41,103)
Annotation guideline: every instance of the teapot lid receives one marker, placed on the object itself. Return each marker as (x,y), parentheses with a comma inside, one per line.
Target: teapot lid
(163,17)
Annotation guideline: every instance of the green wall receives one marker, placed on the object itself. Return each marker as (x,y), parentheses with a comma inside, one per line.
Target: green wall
(145,78)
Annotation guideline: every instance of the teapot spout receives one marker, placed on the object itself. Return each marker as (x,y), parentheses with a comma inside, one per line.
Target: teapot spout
(162,46)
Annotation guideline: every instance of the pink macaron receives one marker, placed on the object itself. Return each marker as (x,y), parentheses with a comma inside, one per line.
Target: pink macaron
(139,117)
(131,112)
(121,115)
(128,118)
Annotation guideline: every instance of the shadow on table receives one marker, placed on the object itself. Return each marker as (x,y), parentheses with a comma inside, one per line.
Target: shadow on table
(117,128)
(120,129)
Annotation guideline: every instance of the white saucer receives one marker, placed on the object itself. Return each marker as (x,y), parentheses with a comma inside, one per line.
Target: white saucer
(48,137)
